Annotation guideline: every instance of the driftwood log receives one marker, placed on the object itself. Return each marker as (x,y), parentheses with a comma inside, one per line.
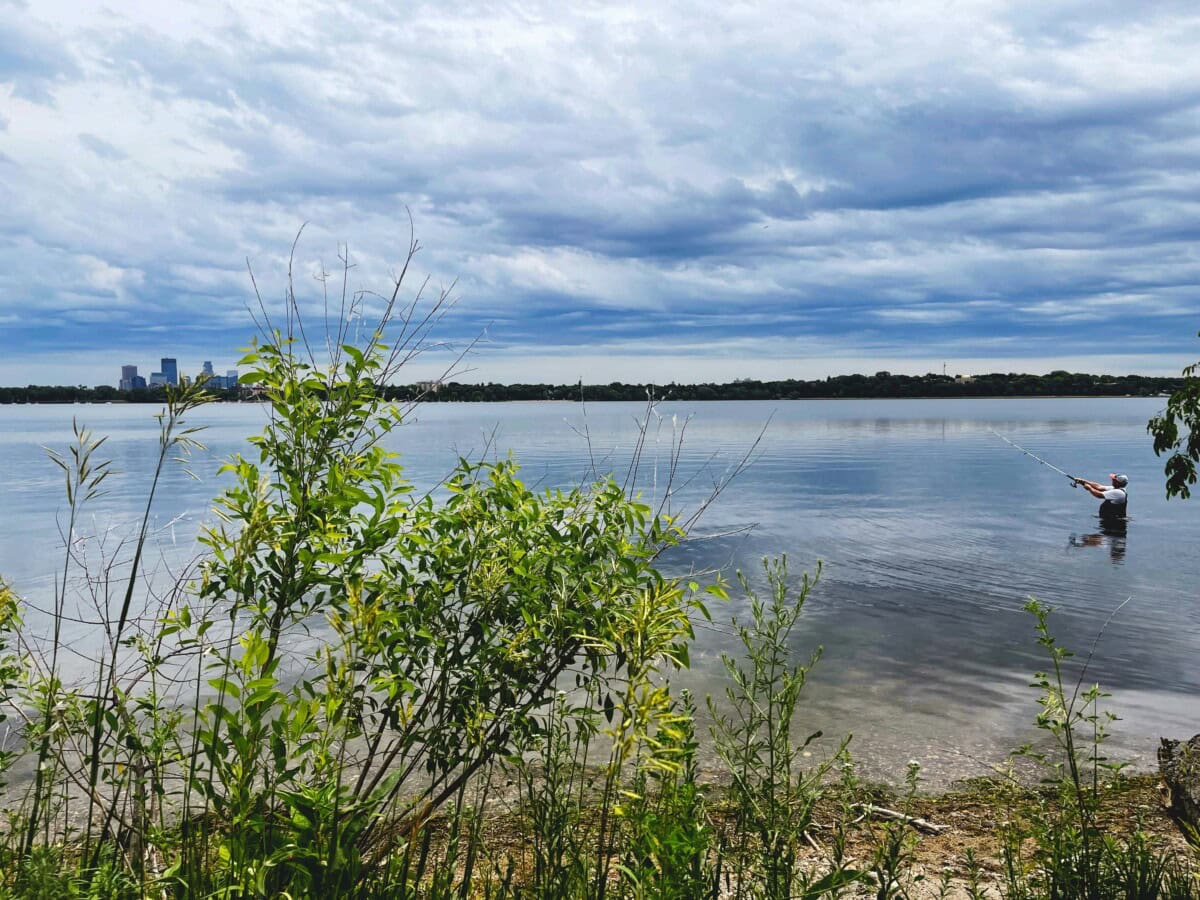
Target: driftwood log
(882,812)
(1179,765)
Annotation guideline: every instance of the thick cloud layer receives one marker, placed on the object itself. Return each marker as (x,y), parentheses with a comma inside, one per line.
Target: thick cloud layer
(670,191)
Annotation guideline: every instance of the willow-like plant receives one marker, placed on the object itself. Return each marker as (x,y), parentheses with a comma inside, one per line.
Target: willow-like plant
(351,656)
(367,651)
(667,837)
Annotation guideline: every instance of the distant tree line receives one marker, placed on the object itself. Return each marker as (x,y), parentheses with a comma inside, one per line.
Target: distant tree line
(104,393)
(881,384)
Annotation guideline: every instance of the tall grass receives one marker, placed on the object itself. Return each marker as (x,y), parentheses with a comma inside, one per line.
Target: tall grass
(773,794)
(1060,849)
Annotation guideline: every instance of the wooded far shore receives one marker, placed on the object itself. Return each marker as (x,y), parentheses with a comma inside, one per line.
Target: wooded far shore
(879,385)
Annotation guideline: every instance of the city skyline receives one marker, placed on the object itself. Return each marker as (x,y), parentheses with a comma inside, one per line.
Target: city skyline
(169,375)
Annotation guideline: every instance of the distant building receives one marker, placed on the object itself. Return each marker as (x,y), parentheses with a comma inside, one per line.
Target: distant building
(231,378)
(158,379)
(207,368)
(170,370)
(128,376)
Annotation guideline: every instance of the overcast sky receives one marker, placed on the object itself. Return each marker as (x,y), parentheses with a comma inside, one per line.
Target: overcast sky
(658,191)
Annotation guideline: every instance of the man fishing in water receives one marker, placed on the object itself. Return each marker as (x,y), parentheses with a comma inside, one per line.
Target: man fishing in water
(1115,507)
(1115,497)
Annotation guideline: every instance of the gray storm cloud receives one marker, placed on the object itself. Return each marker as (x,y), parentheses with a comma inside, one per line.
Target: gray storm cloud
(900,181)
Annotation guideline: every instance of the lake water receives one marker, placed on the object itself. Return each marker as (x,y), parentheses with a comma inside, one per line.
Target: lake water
(931,530)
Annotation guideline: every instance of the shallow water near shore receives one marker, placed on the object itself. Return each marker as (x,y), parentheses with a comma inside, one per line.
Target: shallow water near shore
(932,533)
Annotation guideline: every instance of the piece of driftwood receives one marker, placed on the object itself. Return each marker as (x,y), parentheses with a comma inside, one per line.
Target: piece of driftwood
(1179,766)
(883,812)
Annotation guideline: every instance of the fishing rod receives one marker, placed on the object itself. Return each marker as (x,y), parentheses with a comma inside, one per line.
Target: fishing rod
(1034,456)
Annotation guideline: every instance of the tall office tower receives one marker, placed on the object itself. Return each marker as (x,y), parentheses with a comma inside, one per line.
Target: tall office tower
(170,370)
(157,379)
(139,383)
(206,369)
(231,377)
(128,377)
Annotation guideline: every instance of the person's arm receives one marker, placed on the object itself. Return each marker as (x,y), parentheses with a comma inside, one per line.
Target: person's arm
(1096,490)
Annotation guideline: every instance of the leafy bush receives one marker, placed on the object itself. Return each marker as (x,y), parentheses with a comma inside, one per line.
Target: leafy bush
(350,657)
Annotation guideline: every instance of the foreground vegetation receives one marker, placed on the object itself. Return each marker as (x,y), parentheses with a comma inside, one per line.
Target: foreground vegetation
(359,692)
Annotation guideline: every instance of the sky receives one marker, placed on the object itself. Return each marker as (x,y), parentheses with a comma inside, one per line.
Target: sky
(657,191)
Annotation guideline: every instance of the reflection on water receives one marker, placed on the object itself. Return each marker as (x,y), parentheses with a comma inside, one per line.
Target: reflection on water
(927,651)
(1113,534)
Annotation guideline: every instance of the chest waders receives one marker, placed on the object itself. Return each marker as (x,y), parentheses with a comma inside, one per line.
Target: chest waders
(1110,509)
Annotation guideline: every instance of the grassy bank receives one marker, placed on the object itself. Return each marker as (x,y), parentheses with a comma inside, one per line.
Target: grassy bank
(489,710)
(958,843)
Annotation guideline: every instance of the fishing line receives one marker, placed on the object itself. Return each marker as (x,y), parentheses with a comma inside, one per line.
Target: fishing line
(1034,456)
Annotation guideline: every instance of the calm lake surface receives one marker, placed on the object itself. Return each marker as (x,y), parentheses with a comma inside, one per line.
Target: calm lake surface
(932,533)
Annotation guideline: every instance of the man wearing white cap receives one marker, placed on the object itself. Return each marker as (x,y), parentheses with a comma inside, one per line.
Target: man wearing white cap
(1116,497)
